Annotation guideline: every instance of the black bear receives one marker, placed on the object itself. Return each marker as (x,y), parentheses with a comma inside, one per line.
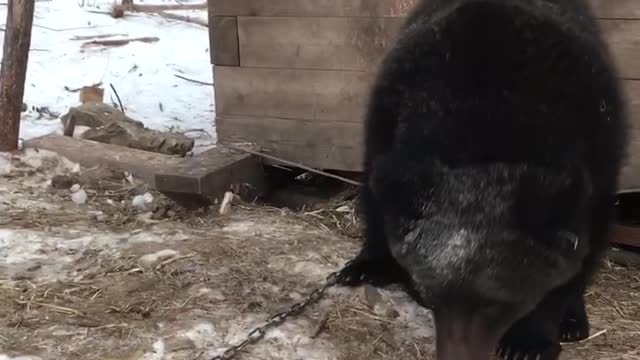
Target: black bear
(495,135)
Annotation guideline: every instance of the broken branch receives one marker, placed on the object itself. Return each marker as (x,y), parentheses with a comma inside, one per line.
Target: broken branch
(119,42)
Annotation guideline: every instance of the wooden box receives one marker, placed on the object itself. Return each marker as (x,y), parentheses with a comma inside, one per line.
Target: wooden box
(293,76)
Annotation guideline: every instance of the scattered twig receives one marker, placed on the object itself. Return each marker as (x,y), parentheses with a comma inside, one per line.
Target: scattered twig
(120,42)
(197,130)
(193,80)
(91,37)
(64,29)
(173,259)
(595,335)
(158,8)
(183,18)
(291,163)
(117,97)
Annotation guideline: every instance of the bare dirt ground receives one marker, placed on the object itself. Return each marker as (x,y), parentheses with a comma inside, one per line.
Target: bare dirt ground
(109,280)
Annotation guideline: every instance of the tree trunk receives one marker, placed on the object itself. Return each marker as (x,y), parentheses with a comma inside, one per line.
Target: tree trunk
(17,41)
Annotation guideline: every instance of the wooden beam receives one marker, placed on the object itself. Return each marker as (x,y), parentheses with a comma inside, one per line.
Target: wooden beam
(223,40)
(323,145)
(141,164)
(292,94)
(204,177)
(211,173)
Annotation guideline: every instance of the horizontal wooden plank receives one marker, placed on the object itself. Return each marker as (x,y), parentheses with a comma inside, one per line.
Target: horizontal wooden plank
(374,8)
(339,145)
(630,178)
(312,8)
(325,145)
(359,43)
(210,173)
(223,38)
(315,43)
(293,94)
(616,9)
(623,37)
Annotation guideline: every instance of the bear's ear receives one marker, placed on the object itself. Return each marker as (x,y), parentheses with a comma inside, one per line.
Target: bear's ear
(402,185)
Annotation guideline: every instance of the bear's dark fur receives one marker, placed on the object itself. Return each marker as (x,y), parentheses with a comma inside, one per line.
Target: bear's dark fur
(495,135)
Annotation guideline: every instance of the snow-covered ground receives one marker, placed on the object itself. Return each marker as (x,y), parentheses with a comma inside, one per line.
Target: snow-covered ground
(102,280)
(143,74)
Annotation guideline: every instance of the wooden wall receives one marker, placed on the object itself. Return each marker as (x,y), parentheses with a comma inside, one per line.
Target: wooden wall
(293,75)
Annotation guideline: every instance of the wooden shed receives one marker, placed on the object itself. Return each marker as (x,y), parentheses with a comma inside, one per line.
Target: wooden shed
(293,76)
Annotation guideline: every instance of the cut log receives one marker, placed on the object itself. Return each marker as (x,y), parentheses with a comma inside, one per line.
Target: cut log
(110,126)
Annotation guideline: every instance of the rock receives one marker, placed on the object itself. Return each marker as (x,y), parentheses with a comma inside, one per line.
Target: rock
(61,182)
(79,197)
(74,188)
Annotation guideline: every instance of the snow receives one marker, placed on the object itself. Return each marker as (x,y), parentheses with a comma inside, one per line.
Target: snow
(143,74)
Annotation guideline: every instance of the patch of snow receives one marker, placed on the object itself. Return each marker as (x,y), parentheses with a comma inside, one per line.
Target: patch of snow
(143,74)
(157,352)
(7,357)
(79,197)
(239,226)
(152,259)
(5,164)
(141,201)
(160,237)
(201,334)
(46,159)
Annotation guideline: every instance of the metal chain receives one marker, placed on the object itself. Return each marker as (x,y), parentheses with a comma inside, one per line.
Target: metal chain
(278,319)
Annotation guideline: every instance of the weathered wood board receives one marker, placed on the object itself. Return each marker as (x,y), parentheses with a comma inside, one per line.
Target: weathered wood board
(292,93)
(631,173)
(328,145)
(209,174)
(606,9)
(332,43)
(616,9)
(623,38)
(351,43)
(223,42)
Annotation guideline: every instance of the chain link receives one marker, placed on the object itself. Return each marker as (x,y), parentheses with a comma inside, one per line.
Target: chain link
(278,319)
